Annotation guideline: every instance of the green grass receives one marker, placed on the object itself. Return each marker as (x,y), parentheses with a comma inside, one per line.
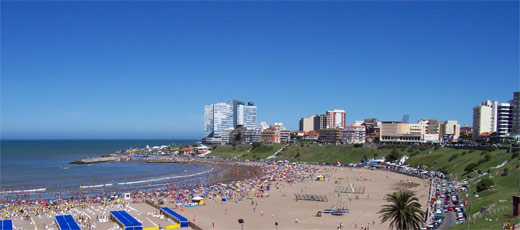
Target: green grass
(243,151)
(229,151)
(329,153)
(505,187)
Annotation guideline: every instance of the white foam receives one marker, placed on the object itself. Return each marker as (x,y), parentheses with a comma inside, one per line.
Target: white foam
(26,190)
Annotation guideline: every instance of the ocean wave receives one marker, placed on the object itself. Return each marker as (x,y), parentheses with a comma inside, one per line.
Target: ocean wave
(95,186)
(26,190)
(148,180)
(165,178)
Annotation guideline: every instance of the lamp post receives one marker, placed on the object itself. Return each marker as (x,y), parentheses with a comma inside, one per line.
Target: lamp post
(241,222)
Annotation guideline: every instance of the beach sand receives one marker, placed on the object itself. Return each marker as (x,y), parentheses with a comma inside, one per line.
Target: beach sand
(285,210)
(280,206)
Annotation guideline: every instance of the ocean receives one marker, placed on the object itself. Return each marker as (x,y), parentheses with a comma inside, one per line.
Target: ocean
(41,168)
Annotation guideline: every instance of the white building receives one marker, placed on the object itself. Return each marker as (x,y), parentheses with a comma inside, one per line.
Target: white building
(449,130)
(515,115)
(217,118)
(485,118)
(354,134)
(504,120)
(357,123)
(246,115)
(336,118)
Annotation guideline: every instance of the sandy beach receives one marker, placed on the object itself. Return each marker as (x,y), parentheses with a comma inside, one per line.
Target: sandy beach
(258,210)
(282,207)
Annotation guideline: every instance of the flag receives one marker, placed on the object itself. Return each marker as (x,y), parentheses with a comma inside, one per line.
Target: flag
(352,187)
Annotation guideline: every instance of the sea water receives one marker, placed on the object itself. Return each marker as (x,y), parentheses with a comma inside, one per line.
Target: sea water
(41,167)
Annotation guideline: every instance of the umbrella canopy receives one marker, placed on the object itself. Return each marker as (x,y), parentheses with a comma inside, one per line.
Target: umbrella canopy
(197,198)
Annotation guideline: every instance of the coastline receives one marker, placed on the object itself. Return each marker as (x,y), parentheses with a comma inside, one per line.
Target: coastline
(271,186)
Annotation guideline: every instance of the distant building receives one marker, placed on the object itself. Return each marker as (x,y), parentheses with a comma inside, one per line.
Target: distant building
(449,131)
(485,119)
(307,123)
(336,118)
(398,132)
(372,127)
(431,130)
(354,134)
(217,118)
(246,115)
(270,135)
(515,115)
(320,122)
(222,118)
(357,123)
(331,135)
(504,121)
(285,136)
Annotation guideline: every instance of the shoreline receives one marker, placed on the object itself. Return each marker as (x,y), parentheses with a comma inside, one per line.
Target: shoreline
(269,185)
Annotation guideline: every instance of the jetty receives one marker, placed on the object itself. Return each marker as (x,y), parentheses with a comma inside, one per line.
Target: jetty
(97,160)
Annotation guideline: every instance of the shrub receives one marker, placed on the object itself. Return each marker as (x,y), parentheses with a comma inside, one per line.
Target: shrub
(515,155)
(484,184)
(358,145)
(393,156)
(470,167)
(464,153)
(453,157)
(444,170)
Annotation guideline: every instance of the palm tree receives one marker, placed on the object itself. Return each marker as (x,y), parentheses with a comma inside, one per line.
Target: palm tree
(404,211)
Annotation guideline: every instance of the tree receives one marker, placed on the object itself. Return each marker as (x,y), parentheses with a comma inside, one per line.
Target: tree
(484,184)
(255,145)
(470,167)
(403,212)
(393,156)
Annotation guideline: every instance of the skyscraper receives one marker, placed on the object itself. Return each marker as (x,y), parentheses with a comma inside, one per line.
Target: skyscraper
(484,118)
(515,115)
(246,115)
(220,117)
(217,118)
(336,118)
(504,121)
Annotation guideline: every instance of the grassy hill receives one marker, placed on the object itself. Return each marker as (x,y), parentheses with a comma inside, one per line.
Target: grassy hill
(244,151)
(454,161)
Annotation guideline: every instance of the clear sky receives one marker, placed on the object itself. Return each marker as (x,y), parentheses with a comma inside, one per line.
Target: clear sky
(146,69)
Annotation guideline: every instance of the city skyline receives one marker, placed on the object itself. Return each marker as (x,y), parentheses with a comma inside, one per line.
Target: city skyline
(95,70)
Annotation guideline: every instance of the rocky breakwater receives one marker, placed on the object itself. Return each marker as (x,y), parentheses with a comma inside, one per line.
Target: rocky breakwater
(100,159)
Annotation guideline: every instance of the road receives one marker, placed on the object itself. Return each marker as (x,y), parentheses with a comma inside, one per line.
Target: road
(450,219)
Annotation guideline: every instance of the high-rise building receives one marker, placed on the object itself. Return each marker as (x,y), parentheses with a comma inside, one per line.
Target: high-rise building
(246,115)
(484,119)
(320,121)
(220,118)
(336,118)
(307,123)
(515,115)
(504,120)
(217,118)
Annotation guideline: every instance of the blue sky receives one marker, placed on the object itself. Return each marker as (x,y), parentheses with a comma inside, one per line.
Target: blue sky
(146,69)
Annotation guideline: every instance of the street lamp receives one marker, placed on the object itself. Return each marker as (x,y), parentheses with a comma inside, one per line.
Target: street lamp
(241,222)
